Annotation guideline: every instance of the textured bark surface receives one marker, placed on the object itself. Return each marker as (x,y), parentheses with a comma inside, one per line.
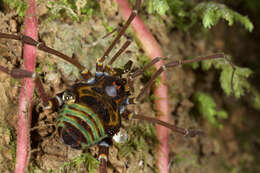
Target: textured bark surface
(26,92)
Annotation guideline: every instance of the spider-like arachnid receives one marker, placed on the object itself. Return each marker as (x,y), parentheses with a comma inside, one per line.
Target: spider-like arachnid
(91,110)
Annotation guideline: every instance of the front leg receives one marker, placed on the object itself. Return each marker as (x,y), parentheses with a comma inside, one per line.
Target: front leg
(21,73)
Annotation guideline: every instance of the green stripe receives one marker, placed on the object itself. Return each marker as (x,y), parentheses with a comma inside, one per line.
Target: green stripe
(93,115)
(85,133)
(81,115)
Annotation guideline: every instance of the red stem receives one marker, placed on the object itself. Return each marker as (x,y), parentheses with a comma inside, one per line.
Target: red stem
(25,102)
(153,49)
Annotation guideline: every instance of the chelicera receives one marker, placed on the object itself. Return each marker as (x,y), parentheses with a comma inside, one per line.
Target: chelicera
(91,110)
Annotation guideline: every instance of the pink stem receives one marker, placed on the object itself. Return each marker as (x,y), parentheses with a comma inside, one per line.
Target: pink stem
(25,102)
(153,49)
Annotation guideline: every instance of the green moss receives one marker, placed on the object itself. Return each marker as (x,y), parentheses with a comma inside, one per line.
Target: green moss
(77,10)
(206,107)
(255,98)
(12,145)
(9,144)
(84,160)
(142,140)
(185,14)
(142,135)
(185,157)
(35,169)
(19,5)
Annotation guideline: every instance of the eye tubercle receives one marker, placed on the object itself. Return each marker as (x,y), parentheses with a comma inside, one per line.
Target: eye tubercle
(111,90)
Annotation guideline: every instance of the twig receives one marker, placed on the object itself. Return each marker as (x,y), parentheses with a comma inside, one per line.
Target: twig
(25,102)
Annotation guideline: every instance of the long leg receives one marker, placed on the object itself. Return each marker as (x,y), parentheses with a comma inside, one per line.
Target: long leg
(177,63)
(107,68)
(41,46)
(119,52)
(184,132)
(122,31)
(142,70)
(21,73)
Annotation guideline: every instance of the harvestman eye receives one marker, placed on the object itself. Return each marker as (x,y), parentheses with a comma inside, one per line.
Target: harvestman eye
(111,90)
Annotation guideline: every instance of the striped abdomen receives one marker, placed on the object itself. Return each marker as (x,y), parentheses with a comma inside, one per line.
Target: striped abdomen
(79,126)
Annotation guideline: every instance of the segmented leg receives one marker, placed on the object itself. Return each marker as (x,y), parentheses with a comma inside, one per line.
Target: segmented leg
(103,158)
(21,73)
(41,46)
(184,132)
(122,31)
(103,154)
(177,63)
(119,52)
(128,115)
(142,70)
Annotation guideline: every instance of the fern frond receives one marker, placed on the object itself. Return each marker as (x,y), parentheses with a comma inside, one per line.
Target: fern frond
(212,12)
(240,83)
(159,6)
